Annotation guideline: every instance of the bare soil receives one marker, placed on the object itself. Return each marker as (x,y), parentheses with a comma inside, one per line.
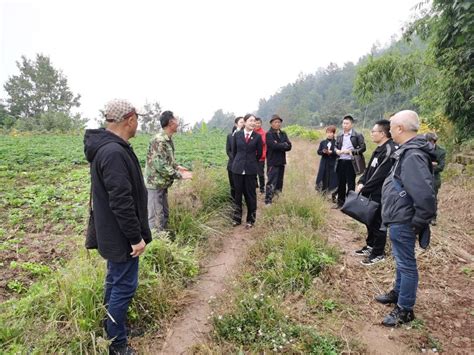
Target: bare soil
(41,248)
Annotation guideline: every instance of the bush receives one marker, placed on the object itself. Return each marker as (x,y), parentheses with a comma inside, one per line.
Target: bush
(303,132)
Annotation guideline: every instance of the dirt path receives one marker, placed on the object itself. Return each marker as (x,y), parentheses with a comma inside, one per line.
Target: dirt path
(191,326)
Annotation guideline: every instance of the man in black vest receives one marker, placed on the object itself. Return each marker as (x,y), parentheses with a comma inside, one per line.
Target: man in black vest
(120,212)
(277,145)
(350,147)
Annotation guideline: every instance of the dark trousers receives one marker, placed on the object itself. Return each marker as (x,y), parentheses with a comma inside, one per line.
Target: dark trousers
(120,285)
(231,183)
(245,185)
(275,176)
(261,175)
(375,237)
(346,176)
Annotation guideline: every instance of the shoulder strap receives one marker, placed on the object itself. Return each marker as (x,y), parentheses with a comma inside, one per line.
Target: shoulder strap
(387,157)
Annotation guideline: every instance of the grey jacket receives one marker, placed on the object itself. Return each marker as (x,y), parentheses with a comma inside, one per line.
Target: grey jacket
(408,192)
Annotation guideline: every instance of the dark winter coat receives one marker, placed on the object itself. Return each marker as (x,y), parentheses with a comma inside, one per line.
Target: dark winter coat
(277,146)
(373,183)
(327,177)
(246,155)
(408,192)
(440,155)
(118,193)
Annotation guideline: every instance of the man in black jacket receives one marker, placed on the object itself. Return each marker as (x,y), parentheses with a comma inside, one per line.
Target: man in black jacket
(277,145)
(408,205)
(370,185)
(350,145)
(120,212)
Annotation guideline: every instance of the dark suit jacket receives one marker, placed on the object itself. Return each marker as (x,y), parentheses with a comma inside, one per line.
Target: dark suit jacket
(246,155)
(228,150)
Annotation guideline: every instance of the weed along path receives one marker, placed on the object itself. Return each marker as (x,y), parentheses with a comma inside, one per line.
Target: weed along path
(192,325)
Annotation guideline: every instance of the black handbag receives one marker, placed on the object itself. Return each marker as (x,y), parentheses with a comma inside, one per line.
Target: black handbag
(360,208)
(91,235)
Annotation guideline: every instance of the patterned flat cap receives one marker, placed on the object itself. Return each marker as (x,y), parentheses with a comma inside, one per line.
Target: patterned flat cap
(117,110)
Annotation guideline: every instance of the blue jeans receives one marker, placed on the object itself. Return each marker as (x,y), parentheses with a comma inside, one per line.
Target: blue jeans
(403,249)
(120,285)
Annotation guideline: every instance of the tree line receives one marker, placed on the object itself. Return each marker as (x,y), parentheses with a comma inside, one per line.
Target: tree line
(429,70)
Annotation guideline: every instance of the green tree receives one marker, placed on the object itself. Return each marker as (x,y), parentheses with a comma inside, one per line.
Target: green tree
(443,70)
(150,121)
(6,120)
(221,120)
(39,88)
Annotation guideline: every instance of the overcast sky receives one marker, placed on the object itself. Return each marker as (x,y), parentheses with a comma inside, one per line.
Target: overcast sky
(193,57)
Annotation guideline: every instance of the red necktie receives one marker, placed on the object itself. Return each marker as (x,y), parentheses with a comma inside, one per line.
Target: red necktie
(247,137)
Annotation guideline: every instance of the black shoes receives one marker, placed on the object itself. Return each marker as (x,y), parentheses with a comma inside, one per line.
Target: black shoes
(249,225)
(235,223)
(121,350)
(373,259)
(365,251)
(387,298)
(398,316)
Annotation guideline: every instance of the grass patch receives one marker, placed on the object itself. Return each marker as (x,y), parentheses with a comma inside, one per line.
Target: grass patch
(63,313)
(258,324)
(290,260)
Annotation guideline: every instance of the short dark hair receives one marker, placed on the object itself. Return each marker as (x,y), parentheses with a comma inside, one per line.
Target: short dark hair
(431,137)
(165,118)
(247,116)
(385,127)
(237,119)
(258,119)
(348,117)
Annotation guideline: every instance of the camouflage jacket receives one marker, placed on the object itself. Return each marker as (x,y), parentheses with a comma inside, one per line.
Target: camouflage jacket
(161,168)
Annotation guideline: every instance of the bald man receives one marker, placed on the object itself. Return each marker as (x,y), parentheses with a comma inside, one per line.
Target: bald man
(408,206)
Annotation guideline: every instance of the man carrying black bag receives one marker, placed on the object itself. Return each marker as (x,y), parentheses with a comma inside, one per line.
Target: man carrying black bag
(370,186)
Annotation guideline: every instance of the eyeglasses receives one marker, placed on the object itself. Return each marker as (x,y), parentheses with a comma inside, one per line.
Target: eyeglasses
(373,131)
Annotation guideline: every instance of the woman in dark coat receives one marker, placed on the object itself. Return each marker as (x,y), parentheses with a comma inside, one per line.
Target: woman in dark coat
(326,181)
(247,148)
(238,125)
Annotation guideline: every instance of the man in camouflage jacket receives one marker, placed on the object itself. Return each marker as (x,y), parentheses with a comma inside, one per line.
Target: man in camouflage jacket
(161,170)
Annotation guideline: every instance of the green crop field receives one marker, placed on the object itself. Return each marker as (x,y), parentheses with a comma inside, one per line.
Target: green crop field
(44,191)
(44,178)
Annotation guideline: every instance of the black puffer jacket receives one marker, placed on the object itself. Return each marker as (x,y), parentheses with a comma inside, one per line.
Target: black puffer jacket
(118,193)
(408,192)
